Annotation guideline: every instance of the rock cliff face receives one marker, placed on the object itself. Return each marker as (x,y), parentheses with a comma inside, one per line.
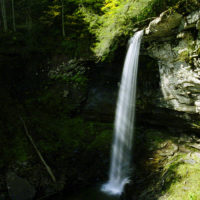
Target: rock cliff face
(174,42)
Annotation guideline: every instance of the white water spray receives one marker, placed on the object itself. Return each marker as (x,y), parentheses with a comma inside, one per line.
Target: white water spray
(124,121)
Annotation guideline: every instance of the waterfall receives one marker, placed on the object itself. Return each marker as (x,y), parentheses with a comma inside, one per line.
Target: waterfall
(124,121)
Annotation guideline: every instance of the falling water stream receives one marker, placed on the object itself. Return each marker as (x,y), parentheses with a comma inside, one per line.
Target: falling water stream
(124,121)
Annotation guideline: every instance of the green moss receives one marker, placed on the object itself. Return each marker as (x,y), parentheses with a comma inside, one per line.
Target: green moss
(15,148)
(196,124)
(102,141)
(188,186)
(154,138)
(20,148)
(69,134)
(182,175)
(185,49)
(171,169)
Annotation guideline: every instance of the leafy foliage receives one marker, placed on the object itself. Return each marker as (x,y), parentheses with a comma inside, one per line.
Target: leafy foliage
(39,24)
(39,27)
(120,18)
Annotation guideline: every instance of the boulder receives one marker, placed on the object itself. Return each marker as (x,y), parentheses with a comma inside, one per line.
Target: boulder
(19,188)
(2,197)
(163,25)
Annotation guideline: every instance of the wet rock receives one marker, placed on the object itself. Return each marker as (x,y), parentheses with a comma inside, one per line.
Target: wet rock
(19,188)
(178,59)
(179,79)
(168,150)
(190,161)
(184,149)
(102,93)
(190,21)
(193,17)
(196,146)
(185,139)
(101,102)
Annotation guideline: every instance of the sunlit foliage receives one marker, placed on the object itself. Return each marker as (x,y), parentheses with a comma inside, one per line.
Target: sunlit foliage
(119,18)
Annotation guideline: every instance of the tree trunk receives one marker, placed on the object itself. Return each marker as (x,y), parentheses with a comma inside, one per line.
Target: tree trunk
(28,16)
(3,11)
(13,16)
(63,19)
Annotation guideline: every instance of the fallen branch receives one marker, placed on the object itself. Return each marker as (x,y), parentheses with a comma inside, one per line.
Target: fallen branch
(37,151)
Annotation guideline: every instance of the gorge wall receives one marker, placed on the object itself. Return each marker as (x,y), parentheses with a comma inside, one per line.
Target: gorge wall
(174,42)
